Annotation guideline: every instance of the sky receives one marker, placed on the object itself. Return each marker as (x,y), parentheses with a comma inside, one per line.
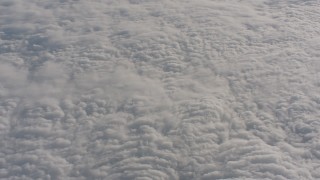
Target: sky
(159,90)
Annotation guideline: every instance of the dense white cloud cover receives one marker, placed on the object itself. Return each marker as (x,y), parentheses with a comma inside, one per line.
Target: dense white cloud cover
(143,89)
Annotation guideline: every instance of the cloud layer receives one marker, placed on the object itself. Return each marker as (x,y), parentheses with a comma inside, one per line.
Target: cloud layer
(142,89)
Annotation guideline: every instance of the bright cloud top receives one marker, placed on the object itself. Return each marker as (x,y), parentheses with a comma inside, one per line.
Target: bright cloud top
(142,89)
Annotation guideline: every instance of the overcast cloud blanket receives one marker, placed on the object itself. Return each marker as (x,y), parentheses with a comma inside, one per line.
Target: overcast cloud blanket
(159,89)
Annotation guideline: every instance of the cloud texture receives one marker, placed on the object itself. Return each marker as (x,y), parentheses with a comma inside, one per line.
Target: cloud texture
(142,89)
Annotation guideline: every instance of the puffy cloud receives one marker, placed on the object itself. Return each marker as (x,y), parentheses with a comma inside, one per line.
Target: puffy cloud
(142,89)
